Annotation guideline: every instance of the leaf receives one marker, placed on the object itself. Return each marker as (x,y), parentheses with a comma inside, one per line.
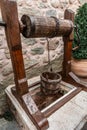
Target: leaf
(81,22)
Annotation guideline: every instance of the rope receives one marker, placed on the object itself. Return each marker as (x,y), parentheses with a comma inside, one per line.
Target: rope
(49,61)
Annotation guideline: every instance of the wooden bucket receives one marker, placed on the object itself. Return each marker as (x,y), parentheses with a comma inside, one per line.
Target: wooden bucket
(50,83)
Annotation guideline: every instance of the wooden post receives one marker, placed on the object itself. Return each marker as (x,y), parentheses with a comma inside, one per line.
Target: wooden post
(12,30)
(68,45)
(10,17)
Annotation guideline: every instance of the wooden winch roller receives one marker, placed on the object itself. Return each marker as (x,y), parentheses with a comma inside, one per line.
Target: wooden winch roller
(38,26)
(35,27)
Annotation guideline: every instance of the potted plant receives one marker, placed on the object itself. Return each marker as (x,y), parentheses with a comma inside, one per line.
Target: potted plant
(79,54)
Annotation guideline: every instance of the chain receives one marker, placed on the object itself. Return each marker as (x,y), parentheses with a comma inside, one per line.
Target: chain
(49,61)
(56,28)
(77,33)
(78,39)
(63,6)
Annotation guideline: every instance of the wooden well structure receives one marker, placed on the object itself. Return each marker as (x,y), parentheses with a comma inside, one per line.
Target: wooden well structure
(33,27)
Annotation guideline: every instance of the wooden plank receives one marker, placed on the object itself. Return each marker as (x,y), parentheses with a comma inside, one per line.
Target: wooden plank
(29,106)
(67,117)
(34,113)
(12,30)
(20,115)
(68,45)
(55,107)
(70,80)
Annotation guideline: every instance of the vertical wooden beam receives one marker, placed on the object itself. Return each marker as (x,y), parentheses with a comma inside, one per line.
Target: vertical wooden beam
(12,30)
(10,17)
(68,44)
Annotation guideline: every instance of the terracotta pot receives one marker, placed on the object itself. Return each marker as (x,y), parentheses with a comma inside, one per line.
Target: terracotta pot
(79,67)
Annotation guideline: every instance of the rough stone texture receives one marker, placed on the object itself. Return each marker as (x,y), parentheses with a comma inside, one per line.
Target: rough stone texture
(56,65)
(7,54)
(38,59)
(8,125)
(83,1)
(38,50)
(71,116)
(7,69)
(84,127)
(51,13)
(30,63)
(53,43)
(29,42)
(55,3)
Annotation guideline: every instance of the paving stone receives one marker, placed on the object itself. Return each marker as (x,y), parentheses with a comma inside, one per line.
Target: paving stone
(8,125)
(84,127)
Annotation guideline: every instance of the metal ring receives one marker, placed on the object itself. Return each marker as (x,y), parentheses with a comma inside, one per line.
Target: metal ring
(57,27)
(51,81)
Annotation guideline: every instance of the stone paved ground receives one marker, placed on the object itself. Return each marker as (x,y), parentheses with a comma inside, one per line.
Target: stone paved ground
(84,127)
(8,125)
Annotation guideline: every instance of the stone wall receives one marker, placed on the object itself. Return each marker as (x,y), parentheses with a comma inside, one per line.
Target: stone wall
(34,50)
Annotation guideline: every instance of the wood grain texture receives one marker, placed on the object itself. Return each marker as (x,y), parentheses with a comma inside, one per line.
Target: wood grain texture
(45,26)
(10,17)
(68,45)
(34,113)
(61,102)
(12,30)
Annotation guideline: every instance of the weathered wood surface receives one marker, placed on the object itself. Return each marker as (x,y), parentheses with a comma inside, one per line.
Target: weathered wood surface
(49,104)
(34,113)
(22,118)
(45,26)
(68,45)
(68,117)
(12,30)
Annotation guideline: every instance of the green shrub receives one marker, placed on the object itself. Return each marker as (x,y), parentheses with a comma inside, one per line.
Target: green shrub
(81,22)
